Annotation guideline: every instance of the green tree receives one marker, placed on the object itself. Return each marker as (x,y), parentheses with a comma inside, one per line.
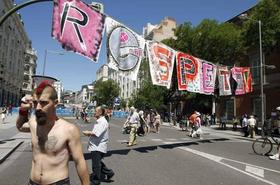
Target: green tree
(149,96)
(106,92)
(268,12)
(123,103)
(211,41)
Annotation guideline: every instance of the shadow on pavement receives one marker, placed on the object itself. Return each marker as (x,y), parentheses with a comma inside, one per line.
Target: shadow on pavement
(5,140)
(146,149)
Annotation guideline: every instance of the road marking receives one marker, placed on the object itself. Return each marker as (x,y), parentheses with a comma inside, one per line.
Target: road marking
(257,171)
(122,141)
(22,135)
(142,140)
(171,142)
(156,139)
(171,139)
(185,139)
(219,160)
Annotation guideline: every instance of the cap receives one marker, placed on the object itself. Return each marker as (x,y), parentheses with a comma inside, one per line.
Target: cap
(197,113)
(278,108)
(141,113)
(104,106)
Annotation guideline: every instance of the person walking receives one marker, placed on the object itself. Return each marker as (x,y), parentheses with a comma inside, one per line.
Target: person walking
(97,145)
(10,110)
(3,114)
(142,129)
(196,124)
(53,139)
(157,122)
(234,123)
(251,126)
(245,125)
(277,121)
(132,121)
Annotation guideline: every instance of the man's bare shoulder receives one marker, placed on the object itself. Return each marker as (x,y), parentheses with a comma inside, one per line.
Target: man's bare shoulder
(68,126)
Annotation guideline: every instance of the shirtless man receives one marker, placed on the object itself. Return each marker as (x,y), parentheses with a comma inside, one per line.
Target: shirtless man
(53,140)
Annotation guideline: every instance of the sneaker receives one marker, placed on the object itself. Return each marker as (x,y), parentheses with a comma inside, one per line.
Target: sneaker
(274,157)
(109,177)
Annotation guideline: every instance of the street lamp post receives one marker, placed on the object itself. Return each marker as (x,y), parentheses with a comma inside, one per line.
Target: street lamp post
(45,58)
(244,16)
(262,73)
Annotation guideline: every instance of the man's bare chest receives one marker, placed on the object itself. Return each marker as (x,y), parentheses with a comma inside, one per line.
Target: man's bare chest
(50,144)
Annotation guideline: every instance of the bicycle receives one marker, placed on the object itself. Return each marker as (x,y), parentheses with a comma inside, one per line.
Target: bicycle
(264,145)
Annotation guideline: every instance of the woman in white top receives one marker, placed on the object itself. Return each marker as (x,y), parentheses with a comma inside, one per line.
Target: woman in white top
(157,122)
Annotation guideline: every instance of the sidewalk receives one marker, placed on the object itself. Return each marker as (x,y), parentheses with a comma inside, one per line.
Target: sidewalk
(8,143)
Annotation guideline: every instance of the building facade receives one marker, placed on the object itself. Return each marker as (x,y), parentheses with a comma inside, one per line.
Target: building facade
(161,31)
(29,70)
(85,95)
(252,103)
(59,89)
(14,55)
(127,86)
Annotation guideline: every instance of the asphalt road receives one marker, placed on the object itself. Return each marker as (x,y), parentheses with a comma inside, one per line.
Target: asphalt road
(167,158)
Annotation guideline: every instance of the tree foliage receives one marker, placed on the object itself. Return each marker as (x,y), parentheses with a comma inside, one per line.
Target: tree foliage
(149,96)
(268,12)
(106,92)
(211,41)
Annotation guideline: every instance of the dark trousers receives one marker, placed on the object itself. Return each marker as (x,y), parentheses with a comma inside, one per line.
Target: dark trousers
(99,169)
(245,130)
(61,182)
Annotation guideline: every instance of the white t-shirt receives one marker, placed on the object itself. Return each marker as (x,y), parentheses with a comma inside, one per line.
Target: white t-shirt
(99,142)
(251,122)
(134,118)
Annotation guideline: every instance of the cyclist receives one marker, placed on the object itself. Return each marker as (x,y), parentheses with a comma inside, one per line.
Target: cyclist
(276,156)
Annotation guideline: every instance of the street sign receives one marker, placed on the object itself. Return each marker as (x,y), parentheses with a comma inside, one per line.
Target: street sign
(117,101)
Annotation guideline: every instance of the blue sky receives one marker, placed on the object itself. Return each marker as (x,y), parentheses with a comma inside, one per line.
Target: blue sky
(75,70)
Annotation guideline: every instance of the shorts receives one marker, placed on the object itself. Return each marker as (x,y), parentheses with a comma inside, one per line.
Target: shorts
(61,182)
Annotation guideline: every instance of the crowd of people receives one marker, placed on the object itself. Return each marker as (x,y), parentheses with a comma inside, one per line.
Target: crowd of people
(141,123)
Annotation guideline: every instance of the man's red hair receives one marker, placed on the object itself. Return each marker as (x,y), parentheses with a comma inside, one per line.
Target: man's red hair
(42,86)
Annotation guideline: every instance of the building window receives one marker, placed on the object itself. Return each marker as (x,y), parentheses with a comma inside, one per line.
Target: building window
(229,109)
(257,107)
(255,67)
(26,68)
(25,85)
(26,78)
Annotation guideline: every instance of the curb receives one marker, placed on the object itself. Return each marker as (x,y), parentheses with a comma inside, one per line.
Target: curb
(7,150)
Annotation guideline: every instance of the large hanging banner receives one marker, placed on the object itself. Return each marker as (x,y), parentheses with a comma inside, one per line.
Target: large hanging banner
(243,78)
(78,27)
(247,78)
(188,72)
(161,62)
(237,75)
(224,81)
(125,48)
(208,77)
